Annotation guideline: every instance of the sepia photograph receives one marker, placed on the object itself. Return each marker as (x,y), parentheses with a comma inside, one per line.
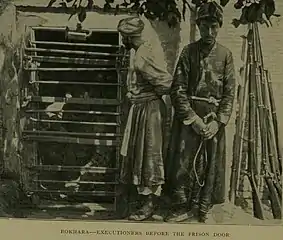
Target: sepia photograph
(142,111)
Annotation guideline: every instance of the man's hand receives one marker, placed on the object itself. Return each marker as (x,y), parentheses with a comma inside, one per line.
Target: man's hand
(199,126)
(211,130)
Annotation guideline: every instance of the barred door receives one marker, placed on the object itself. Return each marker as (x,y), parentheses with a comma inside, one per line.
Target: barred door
(73,104)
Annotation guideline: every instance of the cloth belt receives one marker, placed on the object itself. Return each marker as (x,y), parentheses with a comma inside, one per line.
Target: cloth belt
(211,100)
(143,99)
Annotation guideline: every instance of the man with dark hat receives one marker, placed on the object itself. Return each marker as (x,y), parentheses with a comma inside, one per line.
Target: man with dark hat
(142,146)
(202,94)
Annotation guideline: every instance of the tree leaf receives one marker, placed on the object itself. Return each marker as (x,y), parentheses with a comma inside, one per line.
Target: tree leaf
(223,3)
(149,15)
(90,4)
(63,4)
(197,2)
(239,4)
(74,3)
(51,2)
(125,4)
(184,11)
(73,13)
(71,16)
(106,7)
(136,6)
(276,15)
(178,15)
(117,8)
(82,15)
(140,11)
(236,22)
(172,19)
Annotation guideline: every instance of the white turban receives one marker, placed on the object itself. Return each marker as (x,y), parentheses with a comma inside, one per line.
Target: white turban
(132,26)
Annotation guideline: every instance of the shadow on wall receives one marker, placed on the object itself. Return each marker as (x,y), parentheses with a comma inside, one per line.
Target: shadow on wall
(170,40)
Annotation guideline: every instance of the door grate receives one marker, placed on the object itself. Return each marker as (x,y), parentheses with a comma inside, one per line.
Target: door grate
(74,109)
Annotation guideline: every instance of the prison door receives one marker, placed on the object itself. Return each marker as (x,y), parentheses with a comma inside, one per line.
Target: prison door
(73,104)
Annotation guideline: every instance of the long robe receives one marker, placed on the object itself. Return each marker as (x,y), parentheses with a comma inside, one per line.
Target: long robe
(143,161)
(197,74)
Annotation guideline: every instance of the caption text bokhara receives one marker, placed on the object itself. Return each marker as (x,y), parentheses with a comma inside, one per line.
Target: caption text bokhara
(144,233)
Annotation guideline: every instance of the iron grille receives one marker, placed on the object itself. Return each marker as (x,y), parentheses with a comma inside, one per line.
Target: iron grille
(74,109)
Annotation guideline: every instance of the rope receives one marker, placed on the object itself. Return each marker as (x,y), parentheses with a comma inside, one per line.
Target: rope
(195,160)
(202,145)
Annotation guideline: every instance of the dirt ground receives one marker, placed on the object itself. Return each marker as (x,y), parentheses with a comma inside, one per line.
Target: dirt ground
(220,214)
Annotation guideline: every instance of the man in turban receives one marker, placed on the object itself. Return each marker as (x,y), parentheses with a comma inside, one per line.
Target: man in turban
(142,147)
(202,94)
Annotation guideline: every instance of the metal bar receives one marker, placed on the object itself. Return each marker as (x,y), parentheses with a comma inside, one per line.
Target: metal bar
(76,83)
(73,111)
(58,168)
(70,60)
(75,44)
(70,140)
(72,133)
(118,130)
(69,69)
(83,193)
(56,28)
(34,77)
(98,101)
(74,52)
(74,122)
(78,182)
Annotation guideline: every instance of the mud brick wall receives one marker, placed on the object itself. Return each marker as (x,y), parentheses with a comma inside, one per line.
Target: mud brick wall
(10,70)
(12,151)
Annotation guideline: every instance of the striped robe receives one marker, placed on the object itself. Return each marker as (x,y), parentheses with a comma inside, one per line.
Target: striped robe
(202,76)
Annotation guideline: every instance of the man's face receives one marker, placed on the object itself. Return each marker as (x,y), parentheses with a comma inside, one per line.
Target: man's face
(127,41)
(208,30)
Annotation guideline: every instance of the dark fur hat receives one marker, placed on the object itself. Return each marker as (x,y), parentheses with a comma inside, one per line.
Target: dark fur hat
(210,10)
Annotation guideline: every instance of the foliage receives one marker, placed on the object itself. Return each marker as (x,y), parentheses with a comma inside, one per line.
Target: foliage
(255,11)
(168,10)
(4,4)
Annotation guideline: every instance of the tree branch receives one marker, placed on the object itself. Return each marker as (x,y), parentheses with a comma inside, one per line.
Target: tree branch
(70,10)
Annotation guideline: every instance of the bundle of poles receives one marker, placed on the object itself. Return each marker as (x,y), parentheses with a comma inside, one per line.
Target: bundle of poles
(257,151)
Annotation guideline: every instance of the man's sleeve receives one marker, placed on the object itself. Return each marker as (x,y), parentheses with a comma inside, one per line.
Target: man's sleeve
(179,95)
(155,73)
(229,84)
